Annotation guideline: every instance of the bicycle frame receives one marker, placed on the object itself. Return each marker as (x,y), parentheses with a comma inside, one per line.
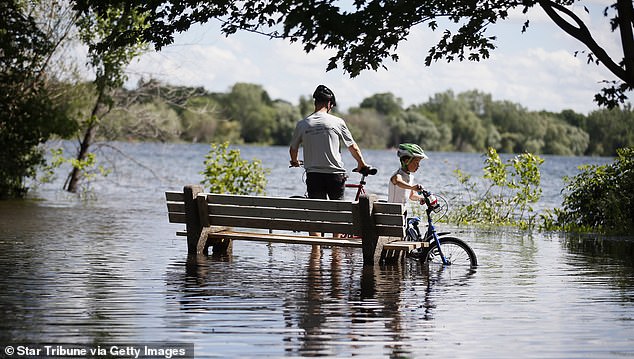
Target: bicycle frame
(430,234)
(431,229)
(359,186)
(365,172)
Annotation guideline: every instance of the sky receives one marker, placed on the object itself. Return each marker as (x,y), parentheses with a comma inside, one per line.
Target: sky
(537,69)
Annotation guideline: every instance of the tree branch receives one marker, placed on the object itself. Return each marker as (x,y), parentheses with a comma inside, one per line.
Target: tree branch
(581,33)
(625,17)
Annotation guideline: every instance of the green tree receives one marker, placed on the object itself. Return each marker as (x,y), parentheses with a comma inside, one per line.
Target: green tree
(367,127)
(229,131)
(468,132)
(572,118)
(563,139)
(368,32)
(414,126)
(109,66)
(286,115)
(251,105)
(383,103)
(494,138)
(306,105)
(479,103)
(198,119)
(610,130)
(469,135)
(30,115)
(159,111)
(149,121)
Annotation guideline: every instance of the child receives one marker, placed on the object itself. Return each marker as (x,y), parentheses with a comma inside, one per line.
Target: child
(401,185)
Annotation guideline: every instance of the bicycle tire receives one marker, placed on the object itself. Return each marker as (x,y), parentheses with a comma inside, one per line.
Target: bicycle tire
(457,252)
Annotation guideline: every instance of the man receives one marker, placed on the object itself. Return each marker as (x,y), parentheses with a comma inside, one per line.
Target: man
(321,133)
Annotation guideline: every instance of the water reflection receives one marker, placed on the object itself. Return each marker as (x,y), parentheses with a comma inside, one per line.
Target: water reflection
(602,248)
(603,258)
(329,305)
(313,316)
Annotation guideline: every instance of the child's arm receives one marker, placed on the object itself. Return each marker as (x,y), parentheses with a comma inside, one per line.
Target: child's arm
(414,196)
(397,180)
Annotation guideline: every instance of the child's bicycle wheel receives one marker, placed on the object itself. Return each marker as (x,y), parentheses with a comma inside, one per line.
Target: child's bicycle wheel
(455,250)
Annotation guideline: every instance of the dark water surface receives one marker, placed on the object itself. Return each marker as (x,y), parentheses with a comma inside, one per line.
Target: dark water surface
(110,269)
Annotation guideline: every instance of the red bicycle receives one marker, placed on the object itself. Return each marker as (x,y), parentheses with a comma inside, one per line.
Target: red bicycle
(365,172)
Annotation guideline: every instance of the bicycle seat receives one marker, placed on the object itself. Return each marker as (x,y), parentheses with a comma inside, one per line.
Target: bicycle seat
(367,171)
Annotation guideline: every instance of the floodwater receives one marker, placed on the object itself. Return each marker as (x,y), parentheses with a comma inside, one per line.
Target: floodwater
(109,269)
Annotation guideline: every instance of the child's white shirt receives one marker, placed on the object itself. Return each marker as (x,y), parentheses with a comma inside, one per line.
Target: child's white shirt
(396,194)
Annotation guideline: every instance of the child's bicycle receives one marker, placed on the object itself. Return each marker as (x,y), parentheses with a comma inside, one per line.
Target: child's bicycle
(442,249)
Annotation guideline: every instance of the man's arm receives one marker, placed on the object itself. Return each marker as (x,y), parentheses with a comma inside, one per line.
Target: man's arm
(293,152)
(355,151)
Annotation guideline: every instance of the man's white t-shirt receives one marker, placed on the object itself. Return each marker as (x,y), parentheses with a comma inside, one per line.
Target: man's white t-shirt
(320,134)
(396,194)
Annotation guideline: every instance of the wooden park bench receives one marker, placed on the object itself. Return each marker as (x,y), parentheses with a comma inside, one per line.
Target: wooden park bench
(215,220)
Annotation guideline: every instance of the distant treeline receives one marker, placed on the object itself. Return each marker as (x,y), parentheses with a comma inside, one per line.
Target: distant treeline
(470,121)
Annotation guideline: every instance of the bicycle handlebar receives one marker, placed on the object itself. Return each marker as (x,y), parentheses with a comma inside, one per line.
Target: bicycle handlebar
(300,163)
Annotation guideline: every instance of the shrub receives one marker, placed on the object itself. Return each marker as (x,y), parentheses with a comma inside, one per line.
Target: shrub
(600,198)
(226,172)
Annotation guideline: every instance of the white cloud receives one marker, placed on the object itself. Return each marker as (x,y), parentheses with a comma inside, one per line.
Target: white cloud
(536,69)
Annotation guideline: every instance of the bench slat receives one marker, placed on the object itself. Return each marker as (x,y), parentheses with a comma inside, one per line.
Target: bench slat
(388,208)
(291,239)
(291,225)
(390,231)
(183,233)
(175,196)
(280,213)
(177,217)
(280,202)
(176,207)
(404,245)
(388,219)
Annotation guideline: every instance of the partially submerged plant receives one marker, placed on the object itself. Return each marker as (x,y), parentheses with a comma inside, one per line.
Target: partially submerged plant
(505,194)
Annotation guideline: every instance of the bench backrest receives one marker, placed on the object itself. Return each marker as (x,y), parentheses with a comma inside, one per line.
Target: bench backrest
(296,214)
(389,219)
(176,207)
(292,214)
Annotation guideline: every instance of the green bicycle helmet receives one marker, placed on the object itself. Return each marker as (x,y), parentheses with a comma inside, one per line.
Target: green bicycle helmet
(411,150)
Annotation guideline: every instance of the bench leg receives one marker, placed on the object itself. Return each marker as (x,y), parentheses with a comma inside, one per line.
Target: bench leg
(222,247)
(392,256)
(388,257)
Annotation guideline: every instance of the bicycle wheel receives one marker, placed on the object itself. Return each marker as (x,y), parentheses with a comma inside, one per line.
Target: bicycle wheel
(455,250)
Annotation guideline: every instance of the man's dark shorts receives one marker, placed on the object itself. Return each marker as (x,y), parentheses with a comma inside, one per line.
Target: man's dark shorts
(320,185)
